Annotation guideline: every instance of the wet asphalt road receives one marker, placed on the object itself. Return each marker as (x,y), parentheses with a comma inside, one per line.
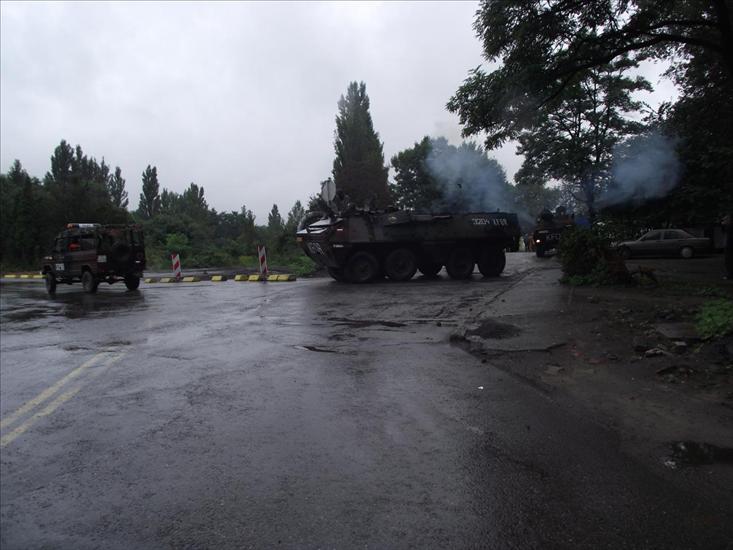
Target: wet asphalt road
(303,415)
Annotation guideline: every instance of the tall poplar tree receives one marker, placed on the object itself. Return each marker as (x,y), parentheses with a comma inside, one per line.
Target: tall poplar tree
(150,197)
(116,188)
(358,169)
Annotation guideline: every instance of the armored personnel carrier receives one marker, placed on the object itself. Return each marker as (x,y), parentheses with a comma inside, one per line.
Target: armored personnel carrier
(360,246)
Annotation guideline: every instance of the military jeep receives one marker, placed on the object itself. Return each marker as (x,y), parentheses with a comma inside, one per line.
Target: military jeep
(91,253)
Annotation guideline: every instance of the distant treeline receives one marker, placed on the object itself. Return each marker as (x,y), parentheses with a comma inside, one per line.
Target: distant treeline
(78,188)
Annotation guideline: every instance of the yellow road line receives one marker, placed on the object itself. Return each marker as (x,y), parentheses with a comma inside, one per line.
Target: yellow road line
(56,403)
(48,392)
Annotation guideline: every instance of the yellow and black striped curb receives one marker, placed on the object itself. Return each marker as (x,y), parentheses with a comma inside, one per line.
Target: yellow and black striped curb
(22,276)
(273,278)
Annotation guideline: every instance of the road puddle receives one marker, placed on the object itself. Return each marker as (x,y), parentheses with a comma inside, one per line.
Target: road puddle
(494,330)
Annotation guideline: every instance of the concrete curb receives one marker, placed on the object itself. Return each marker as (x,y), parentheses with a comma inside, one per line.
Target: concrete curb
(191,279)
(218,278)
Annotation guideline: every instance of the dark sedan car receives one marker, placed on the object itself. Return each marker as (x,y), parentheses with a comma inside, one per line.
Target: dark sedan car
(665,242)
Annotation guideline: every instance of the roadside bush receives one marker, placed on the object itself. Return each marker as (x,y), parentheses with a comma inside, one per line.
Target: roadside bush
(715,319)
(587,259)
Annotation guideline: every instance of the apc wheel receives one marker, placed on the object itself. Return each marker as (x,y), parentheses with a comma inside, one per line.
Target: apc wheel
(50,282)
(430,269)
(624,252)
(89,282)
(362,267)
(492,262)
(132,282)
(460,264)
(337,274)
(400,264)
(687,252)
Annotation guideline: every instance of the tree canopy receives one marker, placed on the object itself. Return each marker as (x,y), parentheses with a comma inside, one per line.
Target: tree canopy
(436,176)
(80,189)
(358,169)
(543,45)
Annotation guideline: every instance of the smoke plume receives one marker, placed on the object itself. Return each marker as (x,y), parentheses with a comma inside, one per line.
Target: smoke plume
(643,167)
(468,180)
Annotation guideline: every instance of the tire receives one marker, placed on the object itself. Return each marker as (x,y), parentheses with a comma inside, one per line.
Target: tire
(687,252)
(132,282)
(50,282)
(430,269)
(624,252)
(540,251)
(460,263)
(492,262)
(361,268)
(400,264)
(337,274)
(89,282)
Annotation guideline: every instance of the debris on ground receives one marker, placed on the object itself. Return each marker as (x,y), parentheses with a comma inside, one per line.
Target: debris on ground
(693,453)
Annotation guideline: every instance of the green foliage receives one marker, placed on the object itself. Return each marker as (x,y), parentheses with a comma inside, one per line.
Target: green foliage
(415,188)
(150,197)
(177,243)
(586,259)
(542,46)
(274,219)
(580,251)
(574,144)
(358,169)
(116,188)
(715,319)
(436,176)
(78,189)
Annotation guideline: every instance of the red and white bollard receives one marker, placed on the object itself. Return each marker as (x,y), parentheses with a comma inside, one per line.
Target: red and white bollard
(263,260)
(176,263)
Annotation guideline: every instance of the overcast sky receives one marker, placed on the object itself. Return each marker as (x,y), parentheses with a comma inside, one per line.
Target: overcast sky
(237,97)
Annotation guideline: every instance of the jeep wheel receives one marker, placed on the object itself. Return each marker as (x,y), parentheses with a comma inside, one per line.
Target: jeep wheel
(89,282)
(132,282)
(362,267)
(50,282)
(400,264)
(492,262)
(460,263)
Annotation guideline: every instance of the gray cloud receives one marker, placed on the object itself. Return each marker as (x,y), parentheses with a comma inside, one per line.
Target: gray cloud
(237,97)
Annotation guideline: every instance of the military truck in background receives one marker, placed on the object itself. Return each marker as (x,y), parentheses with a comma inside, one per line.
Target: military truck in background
(361,245)
(91,253)
(550,227)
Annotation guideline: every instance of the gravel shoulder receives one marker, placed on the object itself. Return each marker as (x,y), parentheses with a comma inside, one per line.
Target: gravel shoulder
(628,357)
